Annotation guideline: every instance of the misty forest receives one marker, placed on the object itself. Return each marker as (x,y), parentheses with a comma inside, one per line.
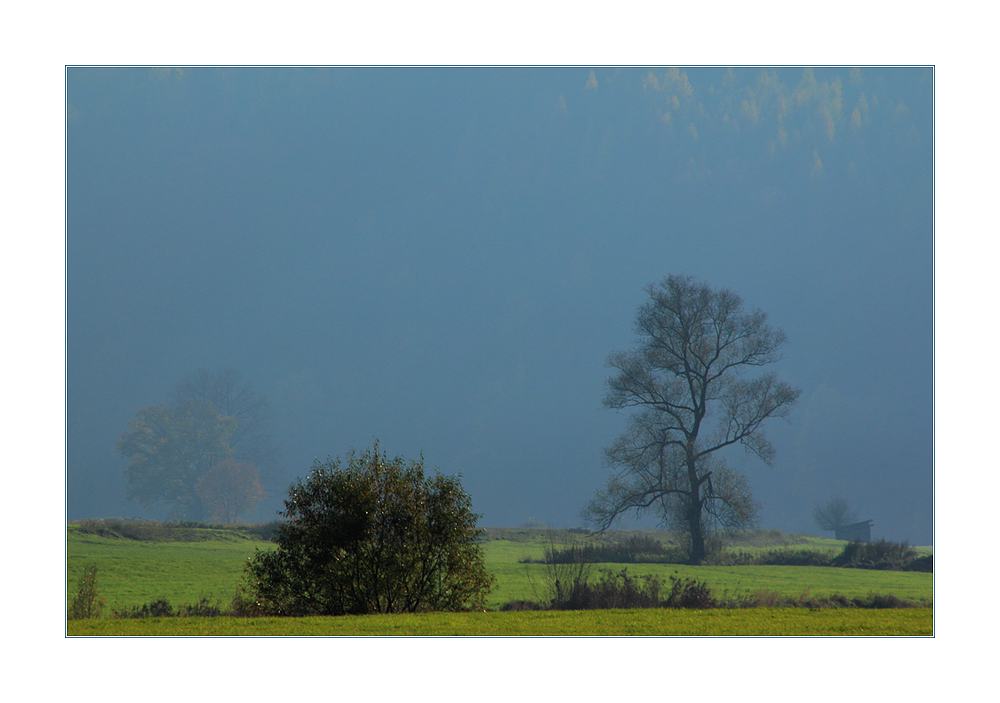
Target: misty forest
(694,299)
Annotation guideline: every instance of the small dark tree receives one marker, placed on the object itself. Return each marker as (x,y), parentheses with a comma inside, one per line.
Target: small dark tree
(374,536)
(88,602)
(833,514)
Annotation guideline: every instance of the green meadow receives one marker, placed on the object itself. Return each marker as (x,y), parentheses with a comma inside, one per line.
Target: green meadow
(132,572)
(209,566)
(758,622)
(522,581)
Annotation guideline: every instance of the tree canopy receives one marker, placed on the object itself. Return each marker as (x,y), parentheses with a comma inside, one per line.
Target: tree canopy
(232,395)
(199,455)
(688,380)
(169,451)
(373,535)
(229,489)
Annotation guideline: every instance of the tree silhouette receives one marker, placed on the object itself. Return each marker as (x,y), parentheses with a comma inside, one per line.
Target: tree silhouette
(687,378)
(833,514)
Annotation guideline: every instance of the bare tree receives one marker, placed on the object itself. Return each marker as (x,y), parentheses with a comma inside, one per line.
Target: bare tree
(688,380)
(833,514)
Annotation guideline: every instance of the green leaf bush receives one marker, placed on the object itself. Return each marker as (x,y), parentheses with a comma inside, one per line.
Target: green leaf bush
(372,535)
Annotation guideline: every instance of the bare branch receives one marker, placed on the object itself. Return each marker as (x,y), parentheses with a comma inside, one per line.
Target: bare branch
(687,380)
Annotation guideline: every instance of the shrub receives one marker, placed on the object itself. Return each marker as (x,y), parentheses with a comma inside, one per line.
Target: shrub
(636,549)
(202,609)
(775,557)
(146,531)
(264,531)
(521,605)
(567,582)
(765,598)
(689,593)
(881,601)
(374,536)
(762,538)
(161,608)
(88,602)
(619,589)
(880,554)
(613,590)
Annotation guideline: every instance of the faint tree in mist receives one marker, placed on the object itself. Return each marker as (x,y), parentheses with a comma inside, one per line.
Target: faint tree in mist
(202,456)
(230,489)
(833,514)
(234,396)
(169,450)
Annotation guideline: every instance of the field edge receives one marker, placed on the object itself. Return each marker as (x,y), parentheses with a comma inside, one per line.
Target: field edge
(757,622)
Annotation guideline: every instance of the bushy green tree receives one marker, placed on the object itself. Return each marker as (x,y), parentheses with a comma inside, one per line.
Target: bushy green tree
(373,535)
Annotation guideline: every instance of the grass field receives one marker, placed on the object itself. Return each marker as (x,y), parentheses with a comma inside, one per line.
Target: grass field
(518,581)
(132,573)
(590,623)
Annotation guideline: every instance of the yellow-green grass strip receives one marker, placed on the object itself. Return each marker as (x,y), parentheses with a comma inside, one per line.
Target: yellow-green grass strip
(761,622)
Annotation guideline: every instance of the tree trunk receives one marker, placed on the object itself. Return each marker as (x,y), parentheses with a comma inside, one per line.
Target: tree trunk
(697,555)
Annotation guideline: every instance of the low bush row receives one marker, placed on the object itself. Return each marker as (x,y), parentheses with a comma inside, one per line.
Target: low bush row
(880,554)
(620,590)
(161,608)
(637,549)
(612,590)
(152,531)
(774,557)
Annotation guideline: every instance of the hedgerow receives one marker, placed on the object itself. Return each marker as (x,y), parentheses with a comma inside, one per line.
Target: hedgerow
(576,590)
(161,608)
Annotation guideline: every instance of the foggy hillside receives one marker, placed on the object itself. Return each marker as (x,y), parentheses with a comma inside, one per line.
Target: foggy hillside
(444,258)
